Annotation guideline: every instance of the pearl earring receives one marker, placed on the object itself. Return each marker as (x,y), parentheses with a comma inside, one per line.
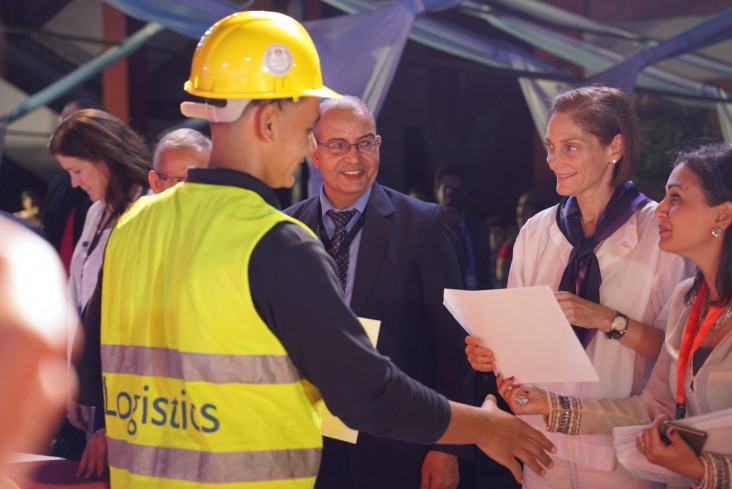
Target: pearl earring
(716,231)
(613,161)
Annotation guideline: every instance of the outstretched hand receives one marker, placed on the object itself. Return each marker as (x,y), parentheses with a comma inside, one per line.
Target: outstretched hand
(522,399)
(513,439)
(480,358)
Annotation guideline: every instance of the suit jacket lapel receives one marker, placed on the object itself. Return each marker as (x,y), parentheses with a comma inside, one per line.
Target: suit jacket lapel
(374,239)
(309,215)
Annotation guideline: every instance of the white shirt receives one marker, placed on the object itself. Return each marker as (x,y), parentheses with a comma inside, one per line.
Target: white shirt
(84,268)
(712,383)
(637,279)
(85,265)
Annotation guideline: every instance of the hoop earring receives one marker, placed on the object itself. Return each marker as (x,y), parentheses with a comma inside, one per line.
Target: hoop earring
(716,231)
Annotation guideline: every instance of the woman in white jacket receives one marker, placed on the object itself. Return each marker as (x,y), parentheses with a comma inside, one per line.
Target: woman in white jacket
(598,248)
(693,374)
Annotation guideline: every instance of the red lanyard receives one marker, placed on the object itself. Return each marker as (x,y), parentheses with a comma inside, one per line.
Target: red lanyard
(691,342)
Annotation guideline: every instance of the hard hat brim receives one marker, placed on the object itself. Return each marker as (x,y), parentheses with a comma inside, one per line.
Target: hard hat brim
(322,92)
(233,109)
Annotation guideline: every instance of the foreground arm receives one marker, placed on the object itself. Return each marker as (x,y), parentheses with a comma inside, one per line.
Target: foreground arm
(501,436)
(35,315)
(297,293)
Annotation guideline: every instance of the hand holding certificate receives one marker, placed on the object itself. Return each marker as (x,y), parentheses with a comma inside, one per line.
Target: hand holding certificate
(527,332)
(717,424)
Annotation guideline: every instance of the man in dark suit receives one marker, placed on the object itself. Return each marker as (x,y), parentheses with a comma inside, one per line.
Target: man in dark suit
(394,257)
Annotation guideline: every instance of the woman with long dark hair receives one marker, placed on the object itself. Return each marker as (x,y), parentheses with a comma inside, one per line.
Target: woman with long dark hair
(110,162)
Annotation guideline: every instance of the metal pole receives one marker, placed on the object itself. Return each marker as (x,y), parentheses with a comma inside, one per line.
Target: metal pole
(77,77)
(83,73)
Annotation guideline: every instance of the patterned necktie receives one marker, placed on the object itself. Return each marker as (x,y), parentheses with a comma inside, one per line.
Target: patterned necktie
(341,220)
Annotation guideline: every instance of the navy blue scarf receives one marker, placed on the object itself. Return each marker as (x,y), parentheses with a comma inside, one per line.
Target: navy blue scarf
(582,275)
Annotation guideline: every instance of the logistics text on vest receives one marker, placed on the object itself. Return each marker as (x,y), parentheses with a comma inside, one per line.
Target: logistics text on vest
(142,408)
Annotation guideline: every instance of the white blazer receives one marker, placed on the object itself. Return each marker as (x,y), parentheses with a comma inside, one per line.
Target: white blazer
(637,279)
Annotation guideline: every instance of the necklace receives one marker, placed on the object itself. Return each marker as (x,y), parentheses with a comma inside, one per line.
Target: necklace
(722,320)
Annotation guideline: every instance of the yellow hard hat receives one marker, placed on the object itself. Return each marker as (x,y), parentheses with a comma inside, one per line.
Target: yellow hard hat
(256,55)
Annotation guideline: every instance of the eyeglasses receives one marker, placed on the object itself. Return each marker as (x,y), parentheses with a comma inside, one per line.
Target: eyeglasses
(339,147)
(164,177)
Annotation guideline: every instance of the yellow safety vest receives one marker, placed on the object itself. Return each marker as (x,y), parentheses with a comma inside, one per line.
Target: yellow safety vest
(198,391)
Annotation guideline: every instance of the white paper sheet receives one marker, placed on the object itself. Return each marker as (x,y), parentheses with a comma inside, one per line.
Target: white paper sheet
(718,426)
(333,427)
(527,331)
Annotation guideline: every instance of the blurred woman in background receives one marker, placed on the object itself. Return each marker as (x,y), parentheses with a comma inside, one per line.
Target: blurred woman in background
(110,162)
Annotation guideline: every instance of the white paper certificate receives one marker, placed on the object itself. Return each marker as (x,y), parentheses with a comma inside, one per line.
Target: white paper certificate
(717,424)
(527,331)
(332,426)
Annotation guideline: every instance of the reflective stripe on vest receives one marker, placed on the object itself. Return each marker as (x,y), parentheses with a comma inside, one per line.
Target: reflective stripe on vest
(218,468)
(162,362)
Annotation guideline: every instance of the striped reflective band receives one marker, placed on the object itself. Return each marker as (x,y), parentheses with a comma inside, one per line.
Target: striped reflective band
(209,468)
(162,362)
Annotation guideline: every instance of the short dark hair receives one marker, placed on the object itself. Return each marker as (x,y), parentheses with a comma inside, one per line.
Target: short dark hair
(103,139)
(604,112)
(712,163)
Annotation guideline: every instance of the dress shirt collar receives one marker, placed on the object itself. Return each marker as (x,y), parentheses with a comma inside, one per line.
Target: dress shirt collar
(359,205)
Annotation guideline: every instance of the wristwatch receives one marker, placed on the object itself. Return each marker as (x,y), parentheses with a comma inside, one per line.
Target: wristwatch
(619,327)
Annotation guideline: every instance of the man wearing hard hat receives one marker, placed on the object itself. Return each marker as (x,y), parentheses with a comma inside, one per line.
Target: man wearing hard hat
(218,310)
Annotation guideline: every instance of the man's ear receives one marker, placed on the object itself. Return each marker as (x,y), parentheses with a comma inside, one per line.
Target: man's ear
(154,181)
(314,159)
(265,120)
